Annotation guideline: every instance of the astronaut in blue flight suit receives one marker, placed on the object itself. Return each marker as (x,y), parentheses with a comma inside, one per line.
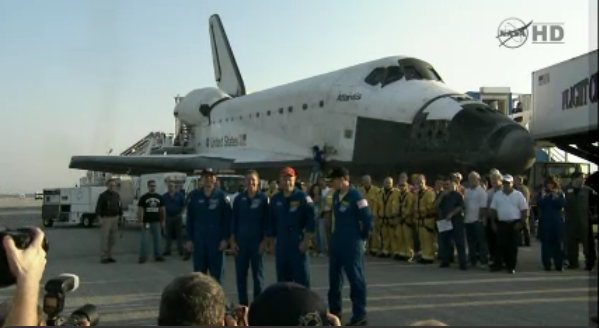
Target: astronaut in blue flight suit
(291,229)
(208,227)
(351,230)
(248,238)
(550,204)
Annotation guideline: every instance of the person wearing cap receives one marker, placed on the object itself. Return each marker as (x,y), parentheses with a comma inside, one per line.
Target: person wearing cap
(208,227)
(580,200)
(405,247)
(371,193)
(248,238)
(425,214)
(291,229)
(288,305)
(509,207)
(353,225)
(387,211)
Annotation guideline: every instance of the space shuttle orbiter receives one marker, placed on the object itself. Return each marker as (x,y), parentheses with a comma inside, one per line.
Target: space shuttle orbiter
(380,117)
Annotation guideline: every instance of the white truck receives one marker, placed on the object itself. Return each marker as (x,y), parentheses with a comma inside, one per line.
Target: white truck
(72,206)
(77,205)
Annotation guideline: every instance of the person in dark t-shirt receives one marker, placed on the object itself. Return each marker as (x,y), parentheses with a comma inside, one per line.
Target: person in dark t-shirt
(151,215)
(450,208)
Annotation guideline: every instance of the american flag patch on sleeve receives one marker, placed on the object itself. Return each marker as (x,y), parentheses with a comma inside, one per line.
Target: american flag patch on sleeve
(308,199)
(362,203)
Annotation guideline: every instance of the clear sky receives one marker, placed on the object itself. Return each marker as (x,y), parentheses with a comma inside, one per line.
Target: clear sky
(80,77)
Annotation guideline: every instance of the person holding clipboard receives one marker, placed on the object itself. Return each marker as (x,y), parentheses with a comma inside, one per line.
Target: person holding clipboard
(450,223)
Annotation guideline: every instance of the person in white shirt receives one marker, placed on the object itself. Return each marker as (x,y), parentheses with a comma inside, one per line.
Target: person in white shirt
(324,189)
(475,203)
(494,187)
(511,209)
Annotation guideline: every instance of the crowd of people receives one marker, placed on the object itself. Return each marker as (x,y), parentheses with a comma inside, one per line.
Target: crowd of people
(483,221)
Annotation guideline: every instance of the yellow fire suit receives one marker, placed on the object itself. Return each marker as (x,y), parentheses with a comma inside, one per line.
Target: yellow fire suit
(372,196)
(270,193)
(405,248)
(388,218)
(425,220)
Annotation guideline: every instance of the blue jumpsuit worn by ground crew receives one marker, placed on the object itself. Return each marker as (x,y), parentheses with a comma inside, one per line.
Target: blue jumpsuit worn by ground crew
(353,224)
(208,224)
(250,226)
(551,225)
(290,219)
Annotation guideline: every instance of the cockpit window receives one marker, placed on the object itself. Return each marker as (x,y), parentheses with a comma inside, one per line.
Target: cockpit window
(435,74)
(384,76)
(376,76)
(416,69)
(412,73)
(394,73)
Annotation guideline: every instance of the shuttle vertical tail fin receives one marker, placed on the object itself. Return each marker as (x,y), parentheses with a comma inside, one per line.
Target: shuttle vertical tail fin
(227,75)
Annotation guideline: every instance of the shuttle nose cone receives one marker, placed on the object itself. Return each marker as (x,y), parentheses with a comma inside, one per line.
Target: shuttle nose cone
(514,149)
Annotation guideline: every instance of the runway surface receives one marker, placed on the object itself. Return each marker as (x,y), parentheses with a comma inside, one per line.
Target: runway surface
(9,204)
(128,293)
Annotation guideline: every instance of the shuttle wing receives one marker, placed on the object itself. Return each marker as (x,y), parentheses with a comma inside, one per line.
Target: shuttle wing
(226,72)
(137,165)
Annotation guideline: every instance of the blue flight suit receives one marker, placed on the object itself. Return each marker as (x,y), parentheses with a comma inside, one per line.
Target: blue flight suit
(250,226)
(208,224)
(551,225)
(353,224)
(290,219)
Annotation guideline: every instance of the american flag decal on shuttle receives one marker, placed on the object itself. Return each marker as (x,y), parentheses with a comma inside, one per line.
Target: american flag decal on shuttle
(362,203)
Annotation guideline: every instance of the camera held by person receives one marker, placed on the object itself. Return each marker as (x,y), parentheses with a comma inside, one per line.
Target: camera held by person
(22,238)
(54,300)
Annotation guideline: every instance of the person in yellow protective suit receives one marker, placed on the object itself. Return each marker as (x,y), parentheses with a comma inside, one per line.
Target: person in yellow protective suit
(425,219)
(405,247)
(371,193)
(387,205)
(273,188)
(329,217)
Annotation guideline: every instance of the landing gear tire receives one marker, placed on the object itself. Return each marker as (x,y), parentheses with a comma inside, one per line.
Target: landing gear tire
(48,223)
(87,221)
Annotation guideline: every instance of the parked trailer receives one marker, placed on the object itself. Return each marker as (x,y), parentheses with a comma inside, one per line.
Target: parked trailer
(77,205)
(72,206)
